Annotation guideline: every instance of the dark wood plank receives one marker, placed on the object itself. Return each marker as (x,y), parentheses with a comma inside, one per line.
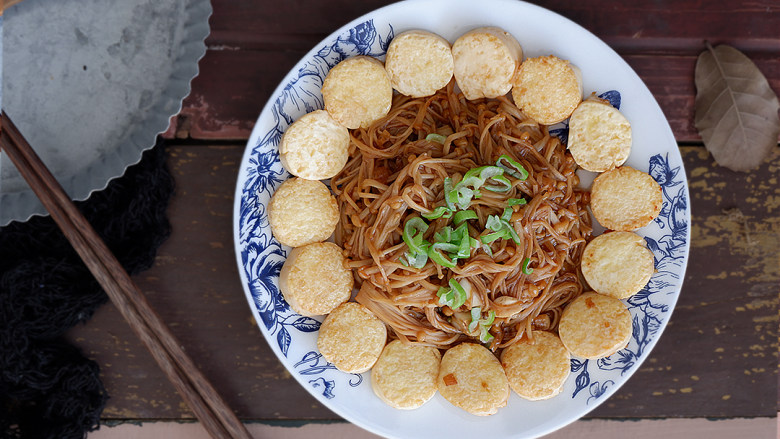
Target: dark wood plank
(646,25)
(254,44)
(722,337)
(233,87)
(717,358)
(194,285)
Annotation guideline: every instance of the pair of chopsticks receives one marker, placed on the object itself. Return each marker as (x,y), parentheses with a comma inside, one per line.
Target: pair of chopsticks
(203,399)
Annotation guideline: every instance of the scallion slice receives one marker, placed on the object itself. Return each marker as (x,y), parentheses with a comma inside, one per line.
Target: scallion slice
(417,256)
(454,296)
(513,168)
(504,186)
(463,215)
(435,137)
(439,212)
(526,268)
(438,257)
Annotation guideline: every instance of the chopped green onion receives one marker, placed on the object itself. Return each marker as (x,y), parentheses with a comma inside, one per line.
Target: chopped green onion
(461,235)
(464,196)
(460,293)
(514,169)
(515,202)
(443,235)
(490,172)
(454,296)
(450,195)
(488,251)
(526,268)
(494,223)
(439,212)
(507,215)
(446,247)
(505,185)
(502,229)
(491,318)
(417,256)
(463,215)
(474,181)
(485,336)
(435,137)
(487,239)
(446,296)
(413,233)
(483,324)
(513,234)
(470,174)
(476,313)
(438,257)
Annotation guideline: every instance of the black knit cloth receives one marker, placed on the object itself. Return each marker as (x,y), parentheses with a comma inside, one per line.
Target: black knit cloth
(48,389)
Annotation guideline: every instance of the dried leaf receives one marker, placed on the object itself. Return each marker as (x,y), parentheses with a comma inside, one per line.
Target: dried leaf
(736,110)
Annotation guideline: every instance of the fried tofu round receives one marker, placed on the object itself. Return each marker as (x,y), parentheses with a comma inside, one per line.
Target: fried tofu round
(404,376)
(617,264)
(537,369)
(625,199)
(599,136)
(314,147)
(486,60)
(471,378)
(314,279)
(595,326)
(419,63)
(547,89)
(352,338)
(302,212)
(357,91)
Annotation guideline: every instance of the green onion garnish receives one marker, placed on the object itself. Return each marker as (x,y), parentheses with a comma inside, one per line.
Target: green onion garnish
(483,324)
(417,256)
(441,259)
(439,212)
(515,202)
(507,214)
(502,229)
(494,223)
(462,239)
(487,239)
(434,137)
(526,268)
(463,216)
(443,235)
(454,296)
(504,185)
(514,169)
(450,195)
(476,313)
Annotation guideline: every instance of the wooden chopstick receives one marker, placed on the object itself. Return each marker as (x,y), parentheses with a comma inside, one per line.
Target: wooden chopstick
(203,399)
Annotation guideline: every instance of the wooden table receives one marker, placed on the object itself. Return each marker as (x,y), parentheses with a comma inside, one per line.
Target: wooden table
(716,359)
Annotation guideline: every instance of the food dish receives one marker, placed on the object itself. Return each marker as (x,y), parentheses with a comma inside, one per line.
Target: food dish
(293,337)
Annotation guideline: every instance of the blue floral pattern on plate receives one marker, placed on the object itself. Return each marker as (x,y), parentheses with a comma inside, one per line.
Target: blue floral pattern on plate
(261,256)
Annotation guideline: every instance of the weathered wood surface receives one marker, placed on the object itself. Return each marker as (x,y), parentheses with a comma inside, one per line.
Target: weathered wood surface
(717,358)
(254,44)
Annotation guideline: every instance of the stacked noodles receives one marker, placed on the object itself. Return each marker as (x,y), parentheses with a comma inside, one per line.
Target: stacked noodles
(394,174)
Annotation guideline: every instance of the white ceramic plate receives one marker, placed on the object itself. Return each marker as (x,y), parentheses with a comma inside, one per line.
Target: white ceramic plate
(260,256)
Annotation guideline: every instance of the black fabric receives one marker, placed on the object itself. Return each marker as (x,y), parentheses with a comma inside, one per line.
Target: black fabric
(48,389)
